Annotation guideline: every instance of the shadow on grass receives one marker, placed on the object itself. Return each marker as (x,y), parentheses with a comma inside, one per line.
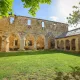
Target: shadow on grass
(22,53)
(73,75)
(69,53)
(48,75)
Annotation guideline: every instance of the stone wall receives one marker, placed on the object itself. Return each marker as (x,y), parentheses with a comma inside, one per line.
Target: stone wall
(21,28)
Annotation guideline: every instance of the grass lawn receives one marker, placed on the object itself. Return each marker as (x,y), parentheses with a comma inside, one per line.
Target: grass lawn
(36,65)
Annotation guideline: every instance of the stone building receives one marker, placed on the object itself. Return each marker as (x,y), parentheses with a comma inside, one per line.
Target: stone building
(68,41)
(25,33)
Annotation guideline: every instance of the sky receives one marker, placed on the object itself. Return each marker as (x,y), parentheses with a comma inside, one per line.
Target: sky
(57,11)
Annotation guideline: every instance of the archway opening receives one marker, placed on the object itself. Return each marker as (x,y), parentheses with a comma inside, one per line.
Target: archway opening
(51,43)
(14,42)
(40,42)
(29,42)
(0,43)
(67,45)
(62,45)
(73,44)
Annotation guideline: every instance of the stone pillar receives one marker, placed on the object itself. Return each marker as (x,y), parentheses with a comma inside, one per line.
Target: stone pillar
(21,43)
(35,43)
(46,43)
(77,44)
(7,45)
(64,45)
(70,45)
(55,44)
(60,45)
(2,46)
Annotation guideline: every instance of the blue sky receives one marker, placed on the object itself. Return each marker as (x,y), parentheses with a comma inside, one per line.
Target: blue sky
(58,10)
(44,12)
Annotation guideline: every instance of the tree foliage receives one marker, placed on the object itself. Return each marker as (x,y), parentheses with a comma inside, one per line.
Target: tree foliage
(5,7)
(74,18)
(33,5)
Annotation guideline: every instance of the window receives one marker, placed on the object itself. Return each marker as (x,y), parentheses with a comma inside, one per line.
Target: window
(11,20)
(42,24)
(29,43)
(29,22)
(16,42)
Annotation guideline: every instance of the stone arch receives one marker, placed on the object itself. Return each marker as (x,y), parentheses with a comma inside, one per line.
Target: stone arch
(29,42)
(0,42)
(14,42)
(51,40)
(67,45)
(51,43)
(73,45)
(62,44)
(40,42)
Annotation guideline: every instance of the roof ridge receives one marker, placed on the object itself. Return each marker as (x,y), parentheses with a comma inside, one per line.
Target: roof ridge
(74,29)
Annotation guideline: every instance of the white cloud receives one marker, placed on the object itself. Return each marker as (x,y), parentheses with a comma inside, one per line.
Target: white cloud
(54,18)
(65,8)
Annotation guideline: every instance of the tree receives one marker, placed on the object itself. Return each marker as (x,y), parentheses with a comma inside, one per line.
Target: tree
(74,18)
(5,7)
(33,5)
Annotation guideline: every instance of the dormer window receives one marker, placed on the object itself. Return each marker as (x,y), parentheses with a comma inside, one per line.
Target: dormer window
(11,20)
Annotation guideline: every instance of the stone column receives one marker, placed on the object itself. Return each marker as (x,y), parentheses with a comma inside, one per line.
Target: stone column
(77,44)
(60,45)
(55,44)
(7,45)
(46,43)
(4,46)
(70,45)
(21,43)
(35,43)
(64,45)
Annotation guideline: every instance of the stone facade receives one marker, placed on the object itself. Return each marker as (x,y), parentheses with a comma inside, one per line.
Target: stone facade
(19,35)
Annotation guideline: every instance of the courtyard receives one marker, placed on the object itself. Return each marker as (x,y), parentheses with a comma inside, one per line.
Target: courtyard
(36,65)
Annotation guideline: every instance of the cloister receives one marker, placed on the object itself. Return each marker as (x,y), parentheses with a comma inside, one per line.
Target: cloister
(69,42)
(15,42)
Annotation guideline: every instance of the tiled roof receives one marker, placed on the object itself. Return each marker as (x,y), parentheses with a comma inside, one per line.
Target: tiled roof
(69,33)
